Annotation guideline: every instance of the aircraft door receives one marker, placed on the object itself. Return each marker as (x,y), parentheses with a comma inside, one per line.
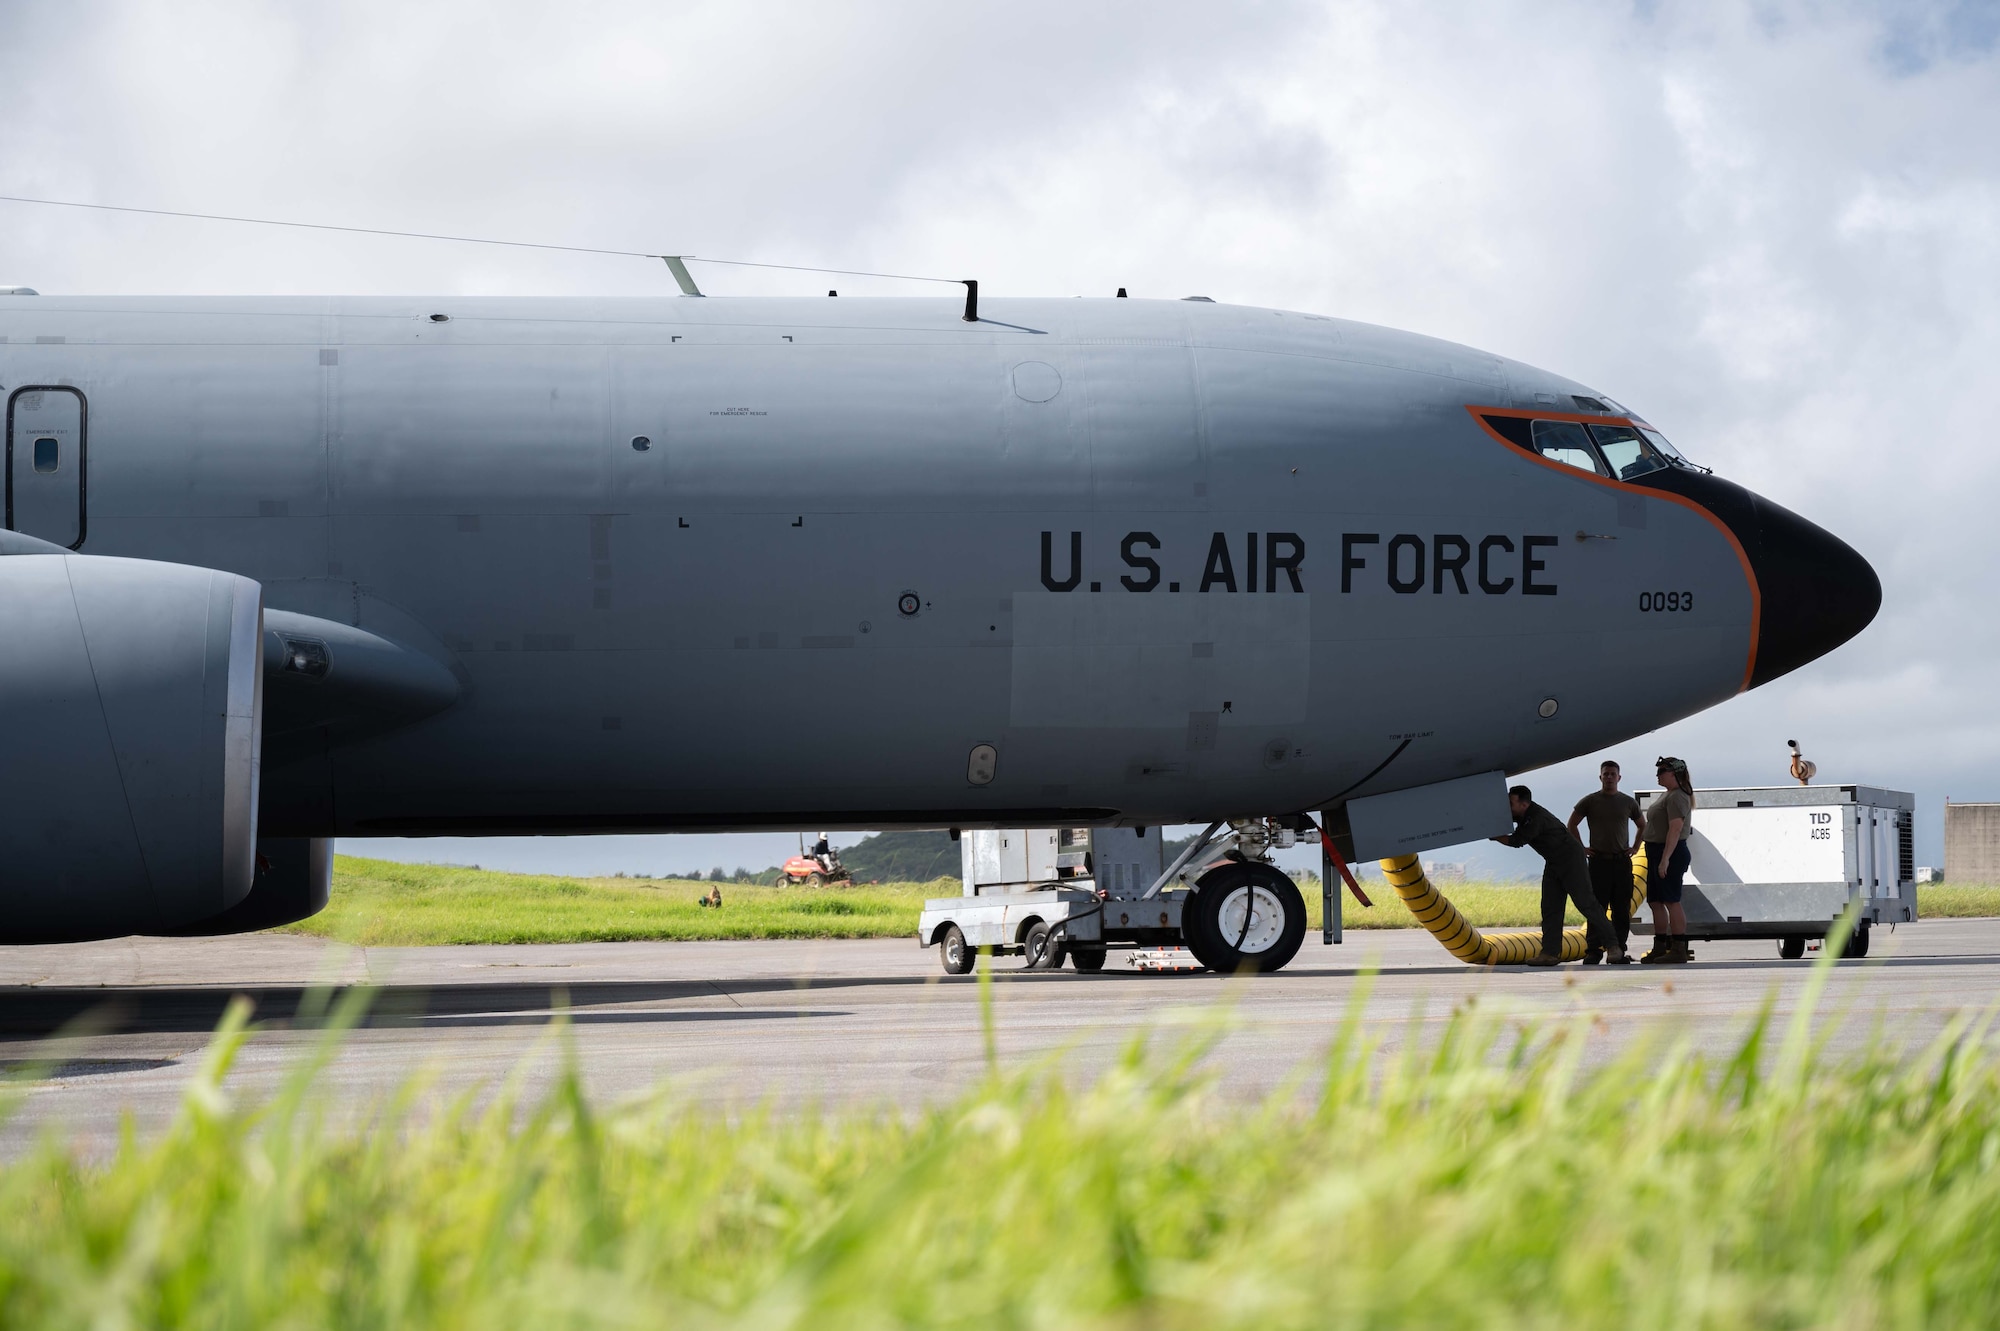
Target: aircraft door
(45,464)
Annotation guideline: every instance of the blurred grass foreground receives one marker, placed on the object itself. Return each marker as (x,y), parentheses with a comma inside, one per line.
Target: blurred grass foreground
(379,903)
(1492,1178)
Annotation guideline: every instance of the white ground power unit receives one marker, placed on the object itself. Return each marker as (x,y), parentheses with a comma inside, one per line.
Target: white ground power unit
(1036,891)
(1052,894)
(1785,862)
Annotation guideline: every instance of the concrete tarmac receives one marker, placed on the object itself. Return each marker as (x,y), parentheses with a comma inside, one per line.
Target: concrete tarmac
(106,1029)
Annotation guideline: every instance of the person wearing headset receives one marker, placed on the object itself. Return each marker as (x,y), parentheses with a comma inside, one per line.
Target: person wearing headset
(1669,823)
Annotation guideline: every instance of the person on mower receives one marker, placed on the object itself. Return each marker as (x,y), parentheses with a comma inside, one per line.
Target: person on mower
(823,852)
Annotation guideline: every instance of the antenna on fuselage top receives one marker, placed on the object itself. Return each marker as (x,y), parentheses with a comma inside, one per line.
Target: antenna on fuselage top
(680,272)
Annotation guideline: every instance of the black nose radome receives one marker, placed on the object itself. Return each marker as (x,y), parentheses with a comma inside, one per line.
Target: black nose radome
(1816,589)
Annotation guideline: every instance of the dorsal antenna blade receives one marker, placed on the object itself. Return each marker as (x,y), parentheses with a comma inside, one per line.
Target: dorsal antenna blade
(681,275)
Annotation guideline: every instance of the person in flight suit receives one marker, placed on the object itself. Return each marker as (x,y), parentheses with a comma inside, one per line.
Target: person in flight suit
(1610,849)
(1565,877)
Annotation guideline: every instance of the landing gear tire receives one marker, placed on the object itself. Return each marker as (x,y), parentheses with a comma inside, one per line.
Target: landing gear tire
(1244,917)
(1087,959)
(954,952)
(1042,947)
(1792,948)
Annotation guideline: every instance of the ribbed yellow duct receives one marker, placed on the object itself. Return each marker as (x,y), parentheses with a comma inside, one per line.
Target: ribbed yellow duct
(1436,913)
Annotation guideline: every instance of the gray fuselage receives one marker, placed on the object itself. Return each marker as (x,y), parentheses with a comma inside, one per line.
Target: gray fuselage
(1170,560)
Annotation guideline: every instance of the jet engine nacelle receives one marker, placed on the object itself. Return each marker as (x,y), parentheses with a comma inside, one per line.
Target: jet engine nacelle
(131,710)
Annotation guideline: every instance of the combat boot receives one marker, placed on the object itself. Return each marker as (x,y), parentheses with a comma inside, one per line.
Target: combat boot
(1677,951)
(1662,944)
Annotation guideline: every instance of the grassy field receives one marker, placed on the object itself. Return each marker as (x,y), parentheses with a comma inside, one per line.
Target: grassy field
(1491,1179)
(380,903)
(1952,901)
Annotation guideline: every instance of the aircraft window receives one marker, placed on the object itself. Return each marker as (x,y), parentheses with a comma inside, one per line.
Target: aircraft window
(1659,441)
(1565,442)
(48,454)
(1511,428)
(1628,453)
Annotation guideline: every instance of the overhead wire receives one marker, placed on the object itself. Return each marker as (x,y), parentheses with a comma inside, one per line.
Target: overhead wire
(464,240)
(802,268)
(327,226)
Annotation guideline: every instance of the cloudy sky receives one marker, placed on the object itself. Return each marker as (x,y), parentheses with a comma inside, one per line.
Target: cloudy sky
(1774,229)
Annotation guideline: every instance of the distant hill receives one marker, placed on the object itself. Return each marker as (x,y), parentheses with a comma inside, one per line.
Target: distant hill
(902,857)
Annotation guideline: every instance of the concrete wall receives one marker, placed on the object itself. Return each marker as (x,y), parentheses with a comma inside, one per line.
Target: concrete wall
(1972,843)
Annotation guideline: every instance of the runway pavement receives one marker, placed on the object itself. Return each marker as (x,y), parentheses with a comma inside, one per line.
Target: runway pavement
(733,1024)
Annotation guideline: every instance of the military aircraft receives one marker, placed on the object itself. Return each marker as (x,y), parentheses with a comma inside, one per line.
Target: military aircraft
(283,569)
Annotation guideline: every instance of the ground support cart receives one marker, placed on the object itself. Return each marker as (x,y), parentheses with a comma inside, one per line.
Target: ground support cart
(1056,894)
(1044,927)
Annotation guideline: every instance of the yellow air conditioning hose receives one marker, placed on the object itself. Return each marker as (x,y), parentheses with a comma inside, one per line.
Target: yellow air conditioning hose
(1436,913)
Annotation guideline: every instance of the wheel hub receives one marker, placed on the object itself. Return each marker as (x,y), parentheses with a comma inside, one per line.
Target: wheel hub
(1266,923)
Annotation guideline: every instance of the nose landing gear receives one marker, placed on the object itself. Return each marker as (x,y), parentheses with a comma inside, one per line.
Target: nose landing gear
(1244,917)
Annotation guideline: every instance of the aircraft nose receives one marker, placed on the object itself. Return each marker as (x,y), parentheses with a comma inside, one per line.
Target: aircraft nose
(1816,589)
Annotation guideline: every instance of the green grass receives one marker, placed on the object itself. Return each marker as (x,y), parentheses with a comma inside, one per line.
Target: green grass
(381,903)
(1487,1179)
(1952,901)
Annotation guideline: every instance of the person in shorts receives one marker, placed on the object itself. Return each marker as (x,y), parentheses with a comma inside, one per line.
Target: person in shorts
(1610,852)
(1669,824)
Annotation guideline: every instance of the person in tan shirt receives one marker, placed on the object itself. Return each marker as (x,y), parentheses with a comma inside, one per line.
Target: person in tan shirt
(1610,850)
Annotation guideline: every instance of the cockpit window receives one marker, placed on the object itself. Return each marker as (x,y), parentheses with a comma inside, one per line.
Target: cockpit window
(1565,442)
(1626,450)
(1659,441)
